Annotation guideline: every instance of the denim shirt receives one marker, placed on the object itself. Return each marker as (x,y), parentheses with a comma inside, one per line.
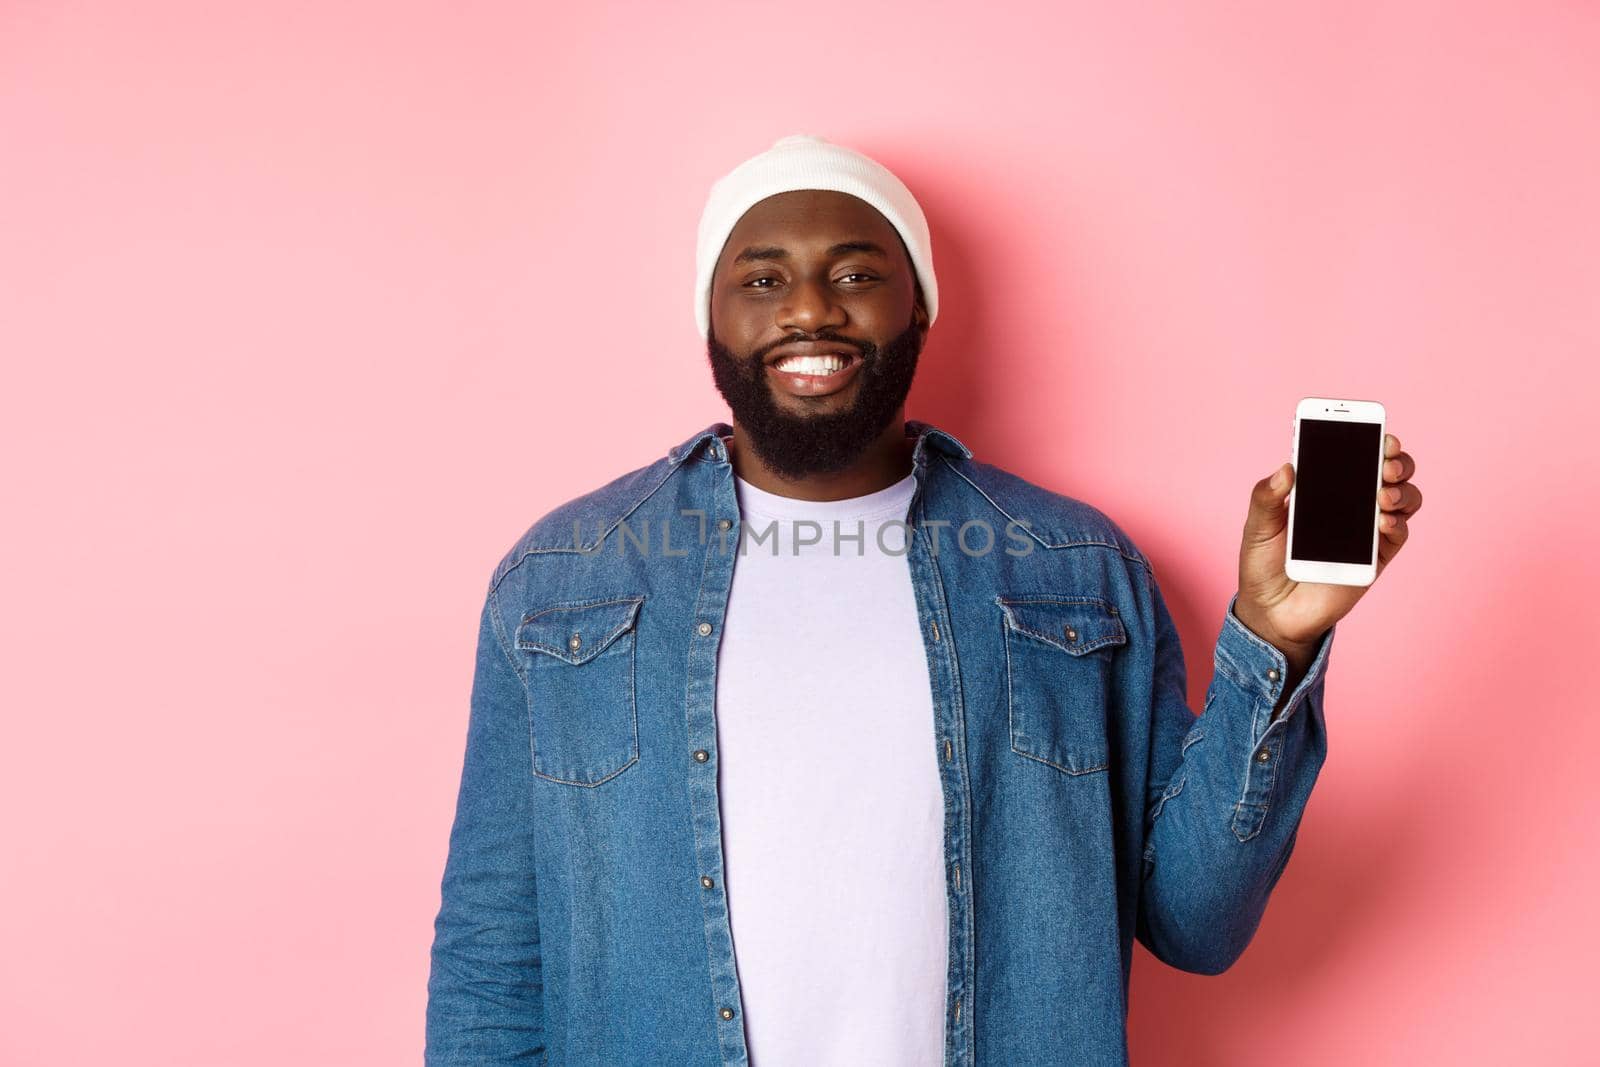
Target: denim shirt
(583,919)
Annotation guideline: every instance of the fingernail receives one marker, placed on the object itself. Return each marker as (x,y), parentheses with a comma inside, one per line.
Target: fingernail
(1278,479)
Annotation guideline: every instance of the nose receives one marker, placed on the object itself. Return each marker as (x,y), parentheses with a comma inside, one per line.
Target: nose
(811,307)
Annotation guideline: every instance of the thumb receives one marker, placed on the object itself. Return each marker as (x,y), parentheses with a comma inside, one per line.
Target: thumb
(1269,506)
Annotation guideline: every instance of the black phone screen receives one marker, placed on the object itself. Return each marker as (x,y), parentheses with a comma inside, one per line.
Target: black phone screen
(1336,491)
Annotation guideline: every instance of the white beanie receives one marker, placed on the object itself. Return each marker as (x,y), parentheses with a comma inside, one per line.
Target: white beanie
(803,161)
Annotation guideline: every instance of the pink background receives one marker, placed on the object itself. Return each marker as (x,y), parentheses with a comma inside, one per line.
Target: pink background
(308,310)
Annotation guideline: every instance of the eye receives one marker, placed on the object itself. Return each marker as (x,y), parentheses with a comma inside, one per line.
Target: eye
(752,283)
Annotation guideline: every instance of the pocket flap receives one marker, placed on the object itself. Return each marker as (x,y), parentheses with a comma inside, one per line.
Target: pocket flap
(578,631)
(1075,624)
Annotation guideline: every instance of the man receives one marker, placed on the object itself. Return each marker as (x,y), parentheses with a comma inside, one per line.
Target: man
(818,740)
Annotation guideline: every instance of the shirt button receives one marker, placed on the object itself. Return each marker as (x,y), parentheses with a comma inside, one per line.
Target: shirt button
(1262,756)
(704,628)
(701,755)
(724,524)
(1272,674)
(726,1013)
(1072,635)
(706,881)
(574,641)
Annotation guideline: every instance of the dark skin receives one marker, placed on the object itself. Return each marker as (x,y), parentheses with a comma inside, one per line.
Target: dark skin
(802,286)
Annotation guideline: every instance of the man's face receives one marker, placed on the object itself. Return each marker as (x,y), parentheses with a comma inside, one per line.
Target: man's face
(822,274)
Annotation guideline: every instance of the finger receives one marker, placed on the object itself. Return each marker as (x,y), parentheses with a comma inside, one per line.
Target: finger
(1391,445)
(1404,498)
(1268,513)
(1393,527)
(1399,468)
(1391,543)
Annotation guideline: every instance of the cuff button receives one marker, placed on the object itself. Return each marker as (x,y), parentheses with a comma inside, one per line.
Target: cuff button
(1272,674)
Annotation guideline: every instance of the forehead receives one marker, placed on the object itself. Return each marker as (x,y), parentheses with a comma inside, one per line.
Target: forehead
(807,221)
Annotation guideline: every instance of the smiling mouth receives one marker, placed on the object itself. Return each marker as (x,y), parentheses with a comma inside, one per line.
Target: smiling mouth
(818,366)
(814,376)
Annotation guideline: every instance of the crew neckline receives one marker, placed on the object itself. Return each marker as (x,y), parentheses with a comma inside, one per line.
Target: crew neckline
(890,500)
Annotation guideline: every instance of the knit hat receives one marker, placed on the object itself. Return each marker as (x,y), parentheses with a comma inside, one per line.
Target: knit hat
(804,161)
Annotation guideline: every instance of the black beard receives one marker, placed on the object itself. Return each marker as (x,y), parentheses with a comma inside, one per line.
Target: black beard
(794,446)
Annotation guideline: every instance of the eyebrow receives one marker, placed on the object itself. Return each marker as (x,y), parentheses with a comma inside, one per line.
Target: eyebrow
(775,252)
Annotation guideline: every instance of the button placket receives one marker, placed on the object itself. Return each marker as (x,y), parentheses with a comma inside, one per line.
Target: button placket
(710,605)
(949,713)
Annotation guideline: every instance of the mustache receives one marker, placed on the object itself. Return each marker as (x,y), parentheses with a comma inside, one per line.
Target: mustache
(865,348)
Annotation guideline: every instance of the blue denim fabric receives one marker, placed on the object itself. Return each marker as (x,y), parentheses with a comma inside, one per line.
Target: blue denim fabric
(1086,804)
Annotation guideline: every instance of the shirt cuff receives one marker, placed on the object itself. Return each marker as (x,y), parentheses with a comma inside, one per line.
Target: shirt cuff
(1257,666)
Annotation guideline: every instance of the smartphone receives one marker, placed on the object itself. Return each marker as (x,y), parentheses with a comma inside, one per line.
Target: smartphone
(1333,506)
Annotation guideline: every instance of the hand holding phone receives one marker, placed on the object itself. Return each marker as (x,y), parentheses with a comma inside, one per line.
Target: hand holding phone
(1311,545)
(1333,505)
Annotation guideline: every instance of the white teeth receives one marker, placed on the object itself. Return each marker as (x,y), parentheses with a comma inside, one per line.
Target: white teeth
(811,364)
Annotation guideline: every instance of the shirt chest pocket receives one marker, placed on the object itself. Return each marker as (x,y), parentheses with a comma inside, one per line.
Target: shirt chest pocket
(1060,652)
(578,660)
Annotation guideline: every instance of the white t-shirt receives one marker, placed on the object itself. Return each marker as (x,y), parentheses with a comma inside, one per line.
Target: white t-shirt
(832,813)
